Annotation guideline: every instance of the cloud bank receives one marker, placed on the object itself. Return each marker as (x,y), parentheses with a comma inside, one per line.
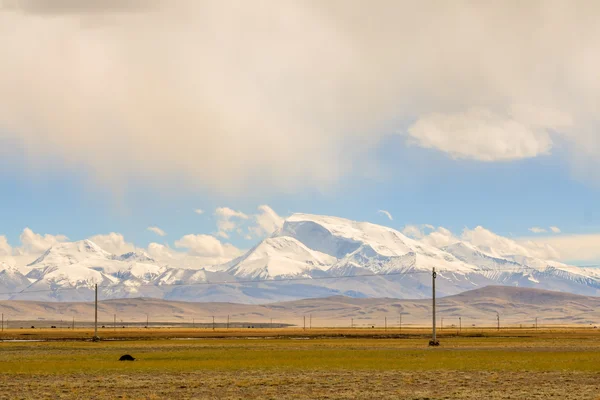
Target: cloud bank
(282,95)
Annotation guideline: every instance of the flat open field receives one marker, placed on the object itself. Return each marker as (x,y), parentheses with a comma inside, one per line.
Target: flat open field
(297,364)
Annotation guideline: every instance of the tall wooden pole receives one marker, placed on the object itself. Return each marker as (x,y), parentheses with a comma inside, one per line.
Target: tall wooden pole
(96,312)
(433,276)
(498,319)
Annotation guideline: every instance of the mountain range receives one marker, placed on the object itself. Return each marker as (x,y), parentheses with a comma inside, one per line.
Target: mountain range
(479,307)
(310,256)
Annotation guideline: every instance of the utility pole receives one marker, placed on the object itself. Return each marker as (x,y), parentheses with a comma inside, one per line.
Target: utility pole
(305,322)
(385,324)
(310,321)
(146,320)
(535,323)
(400,322)
(73,323)
(115,322)
(213,322)
(459,324)
(2,322)
(442,325)
(433,341)
(96,338)
(228,322)
(498,319)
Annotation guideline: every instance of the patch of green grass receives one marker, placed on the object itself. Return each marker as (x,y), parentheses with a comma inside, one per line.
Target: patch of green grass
(460,354)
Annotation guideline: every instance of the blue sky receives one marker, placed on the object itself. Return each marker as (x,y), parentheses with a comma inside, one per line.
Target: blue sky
(417,186)
(441,115)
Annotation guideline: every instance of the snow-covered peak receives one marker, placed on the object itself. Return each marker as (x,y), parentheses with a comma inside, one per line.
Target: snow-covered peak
(339,236)
(343,238)
(7,266)
(71,253)
(137,256)
(279,257)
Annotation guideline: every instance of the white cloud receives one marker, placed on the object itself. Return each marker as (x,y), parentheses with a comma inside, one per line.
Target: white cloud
(584,247)
(157,230)
(413,231)
(228,220)
(201,245)
(165,92)
(267,221)
(199,211)
(555,229)
(417,231)
(440,237)
(537,229)
(5,248)
(498,245)
(113,242)
(489,242)
(387,214)
(194,259)
(34,243)
(481,135)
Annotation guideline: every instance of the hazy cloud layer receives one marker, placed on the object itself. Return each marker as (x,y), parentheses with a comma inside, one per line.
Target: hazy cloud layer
(285,94)
(61,7)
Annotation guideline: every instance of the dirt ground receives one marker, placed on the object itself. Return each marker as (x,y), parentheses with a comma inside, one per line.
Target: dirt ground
(308,385)
(536,365)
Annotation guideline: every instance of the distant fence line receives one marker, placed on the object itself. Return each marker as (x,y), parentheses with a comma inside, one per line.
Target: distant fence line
(446,323)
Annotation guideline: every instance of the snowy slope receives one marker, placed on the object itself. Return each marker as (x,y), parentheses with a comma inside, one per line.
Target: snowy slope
(11,280)
(310,256)
(279,257)
(377,248)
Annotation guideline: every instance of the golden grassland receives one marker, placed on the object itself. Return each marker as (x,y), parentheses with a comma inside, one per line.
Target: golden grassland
(377,332)
(298,364)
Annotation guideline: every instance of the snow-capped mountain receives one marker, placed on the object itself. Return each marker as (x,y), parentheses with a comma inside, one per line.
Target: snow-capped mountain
(279,257)
(11,279)
(309,256)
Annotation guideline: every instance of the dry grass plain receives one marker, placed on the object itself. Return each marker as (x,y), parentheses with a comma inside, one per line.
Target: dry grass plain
(297,364)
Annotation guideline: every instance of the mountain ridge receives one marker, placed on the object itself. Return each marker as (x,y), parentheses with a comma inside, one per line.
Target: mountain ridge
(516,306)
(309,256)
